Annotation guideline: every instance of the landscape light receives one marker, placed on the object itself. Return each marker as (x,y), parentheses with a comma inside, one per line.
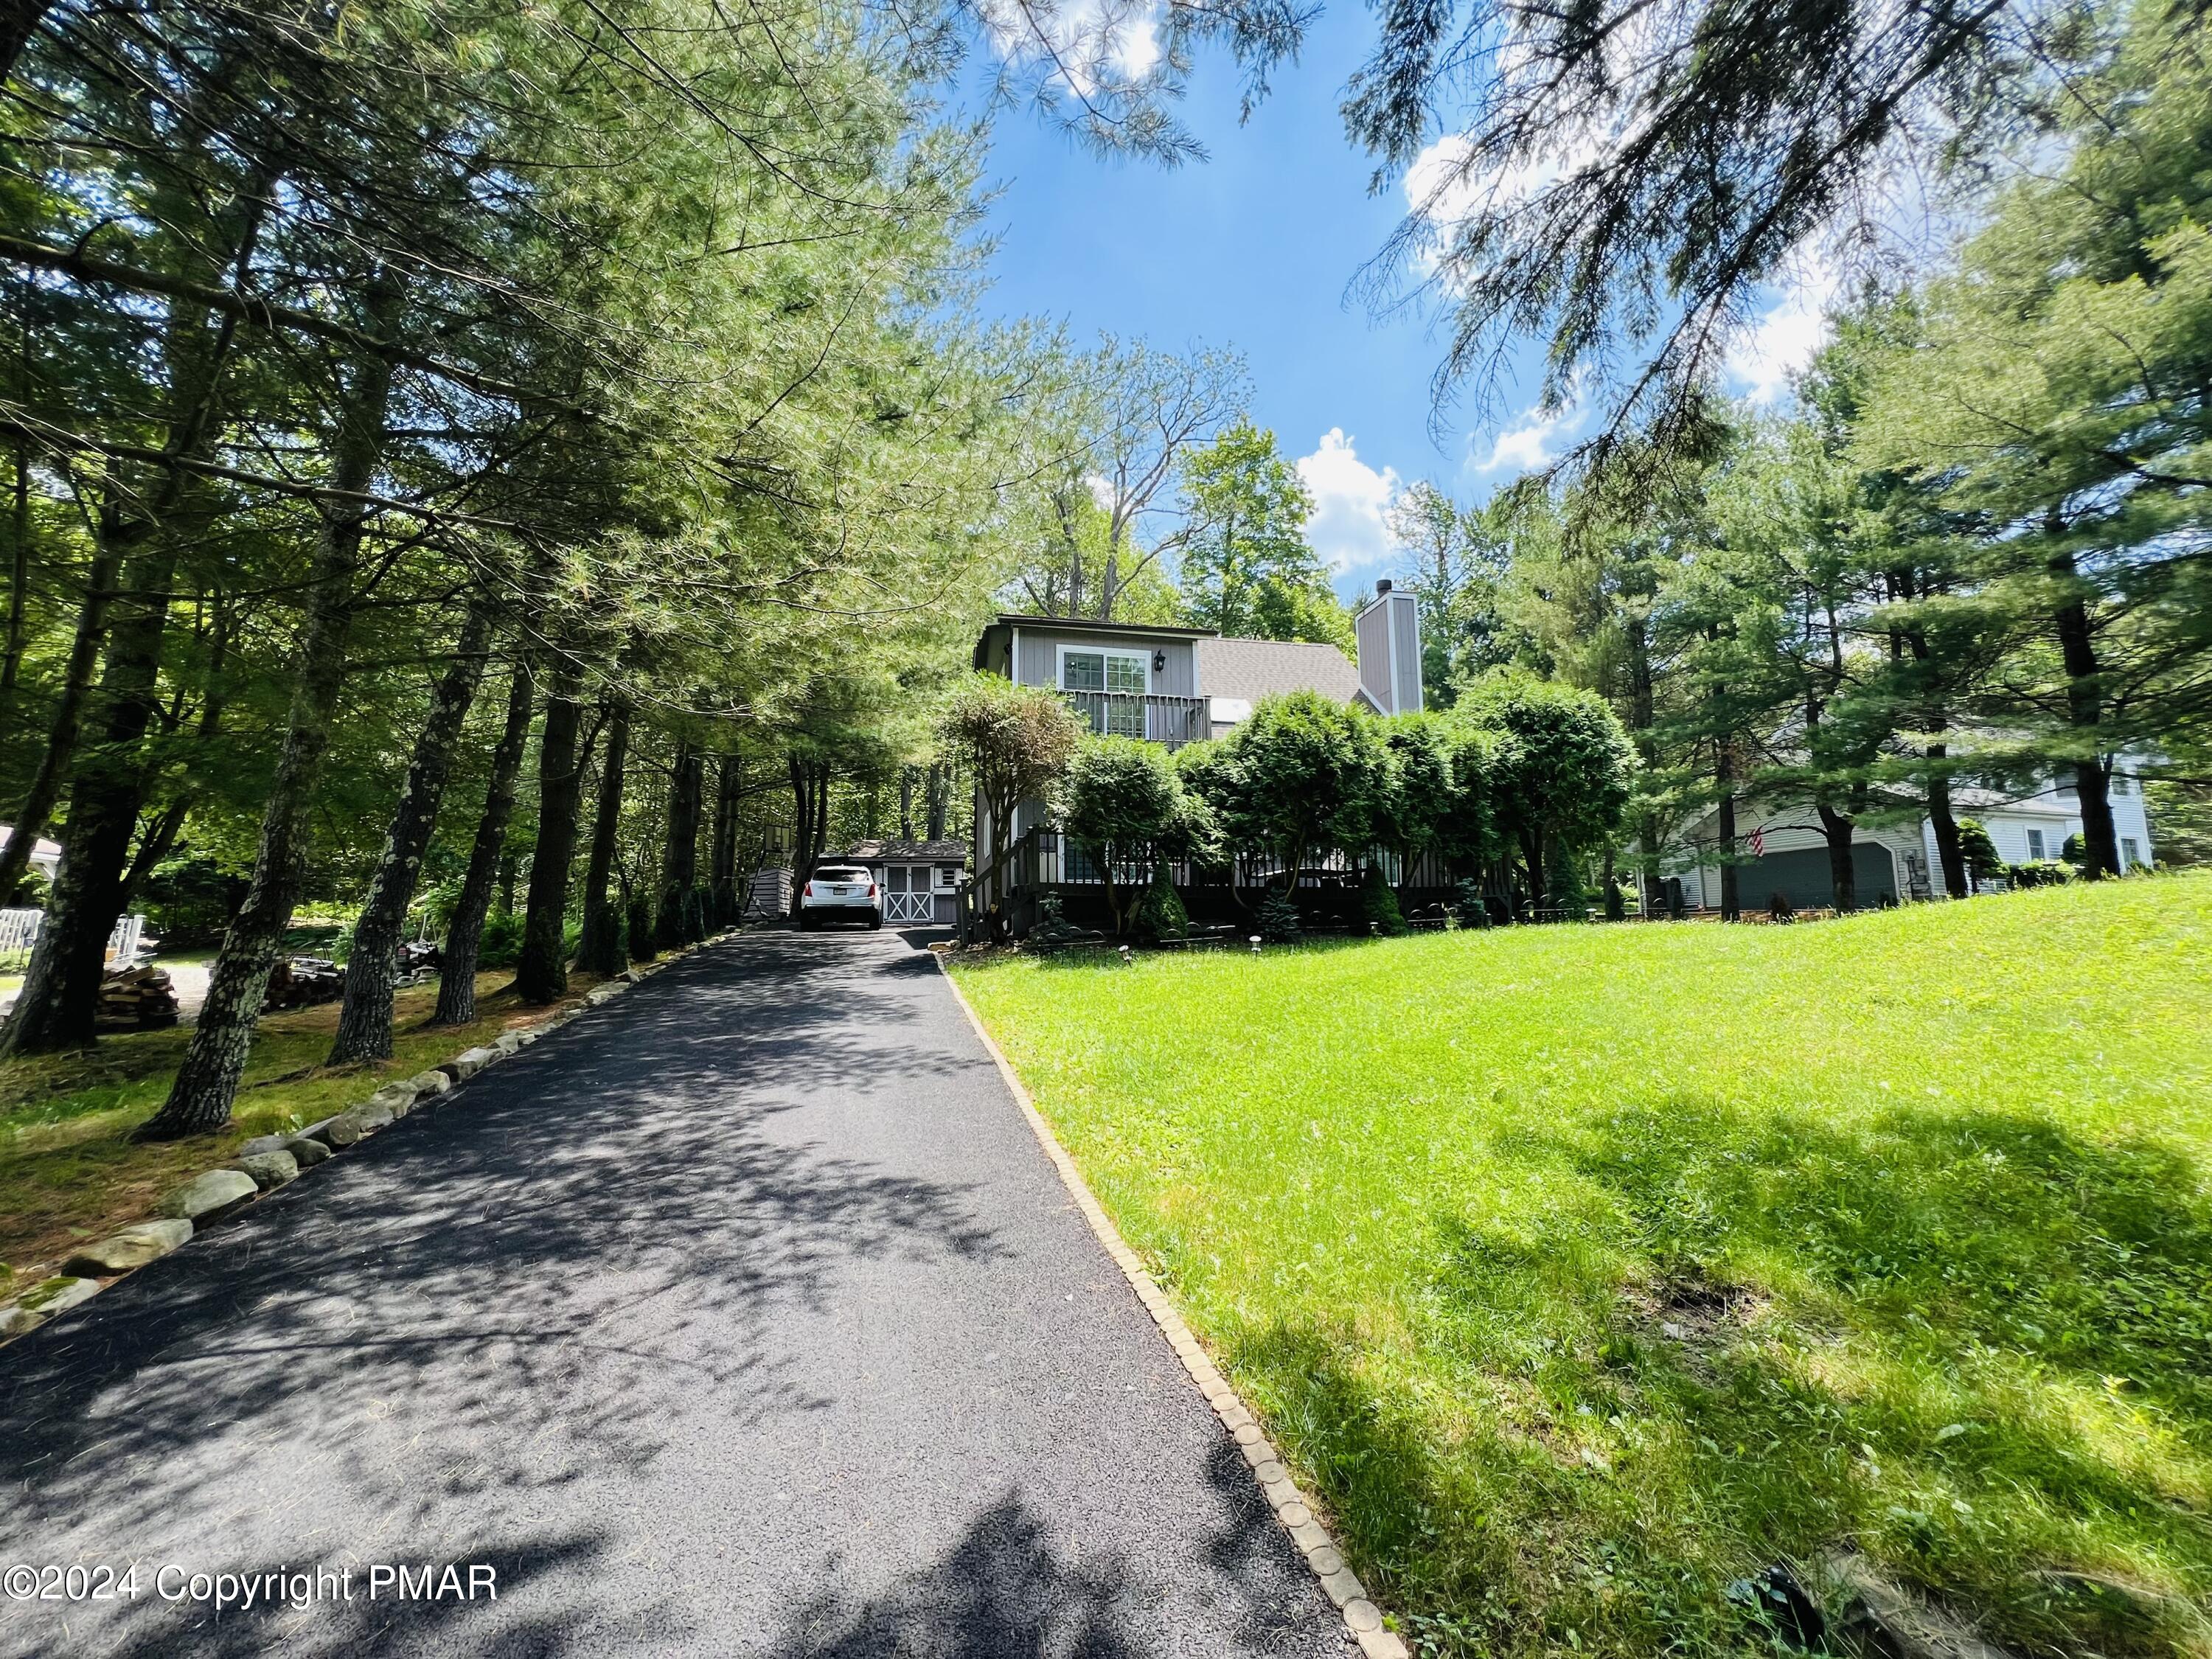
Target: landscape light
(1255,944)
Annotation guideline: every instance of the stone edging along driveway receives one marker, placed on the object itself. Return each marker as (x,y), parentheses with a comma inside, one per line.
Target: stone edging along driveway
(1361,1616)
(268,1161)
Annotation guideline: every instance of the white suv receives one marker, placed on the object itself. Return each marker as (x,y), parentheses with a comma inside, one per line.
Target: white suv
(840,893)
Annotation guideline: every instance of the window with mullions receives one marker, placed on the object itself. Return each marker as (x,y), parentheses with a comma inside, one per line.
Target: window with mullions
(1104,670)
(1127,674)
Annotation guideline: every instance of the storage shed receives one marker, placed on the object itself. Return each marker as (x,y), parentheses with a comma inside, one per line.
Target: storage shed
(919,880)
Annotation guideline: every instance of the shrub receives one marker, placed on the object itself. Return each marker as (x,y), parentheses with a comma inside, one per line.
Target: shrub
(1979,851)
(1557,769)
(637,927)
(1277,918)
(1378,905)
(500,946)
(1123,802)
(1160,914)
(1051,927)
(2049,872)
(1467,899)
(2075,852)
(1303,773)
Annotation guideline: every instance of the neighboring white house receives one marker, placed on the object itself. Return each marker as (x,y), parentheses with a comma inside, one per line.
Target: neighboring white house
(1178,685)
(46,855)
(1895,862)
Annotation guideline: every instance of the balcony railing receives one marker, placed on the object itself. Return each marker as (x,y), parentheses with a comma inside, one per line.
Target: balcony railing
(1171,721)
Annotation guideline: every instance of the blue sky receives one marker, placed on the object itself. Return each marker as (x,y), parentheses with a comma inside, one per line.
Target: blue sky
(1256,247)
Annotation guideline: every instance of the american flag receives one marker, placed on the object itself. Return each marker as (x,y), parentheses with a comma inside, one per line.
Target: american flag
(1758,843)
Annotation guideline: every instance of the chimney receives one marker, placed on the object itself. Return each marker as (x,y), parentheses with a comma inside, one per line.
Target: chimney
(1387,632)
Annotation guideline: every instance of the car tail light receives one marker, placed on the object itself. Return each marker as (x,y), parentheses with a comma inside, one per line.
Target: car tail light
(871,890)
(809,890)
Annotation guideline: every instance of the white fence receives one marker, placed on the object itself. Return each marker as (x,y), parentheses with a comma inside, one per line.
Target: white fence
(19,931)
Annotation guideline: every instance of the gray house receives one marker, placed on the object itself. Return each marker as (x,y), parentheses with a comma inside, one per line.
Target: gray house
(1179,685)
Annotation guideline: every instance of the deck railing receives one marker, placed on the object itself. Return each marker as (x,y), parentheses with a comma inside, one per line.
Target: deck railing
(1174,721)
(1048,858)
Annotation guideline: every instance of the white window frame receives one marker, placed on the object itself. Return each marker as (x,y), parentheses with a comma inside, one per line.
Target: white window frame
(947,879)
(2131,854)
(2035,846)
(1059,663)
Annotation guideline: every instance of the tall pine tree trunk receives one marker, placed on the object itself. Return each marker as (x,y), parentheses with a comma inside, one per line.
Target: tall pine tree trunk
(809,786)
(1725,776)
(19,559)
(206,1083)
(365,1018)
(1949,853)
(59,1001)
(939,791)
(2085,708)
(601,949)
(541,975)
(155,843)
(1836,830)
(36,808)
(728,776)
(456,979)
(679,862)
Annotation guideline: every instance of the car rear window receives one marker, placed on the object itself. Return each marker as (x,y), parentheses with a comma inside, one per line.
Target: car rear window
(838,873)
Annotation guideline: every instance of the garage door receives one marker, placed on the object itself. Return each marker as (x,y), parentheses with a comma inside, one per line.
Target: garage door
(1802,877)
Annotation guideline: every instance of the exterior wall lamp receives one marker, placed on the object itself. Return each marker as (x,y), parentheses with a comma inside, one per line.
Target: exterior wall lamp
(1159,661)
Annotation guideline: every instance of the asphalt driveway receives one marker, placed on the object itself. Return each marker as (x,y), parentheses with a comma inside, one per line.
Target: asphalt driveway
(743,1315)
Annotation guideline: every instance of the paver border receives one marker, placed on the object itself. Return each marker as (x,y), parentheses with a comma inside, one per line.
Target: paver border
(1295,1513)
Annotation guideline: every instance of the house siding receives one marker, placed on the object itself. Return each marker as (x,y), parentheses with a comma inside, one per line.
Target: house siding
(1372,629)
(1039,662)
(1406,651)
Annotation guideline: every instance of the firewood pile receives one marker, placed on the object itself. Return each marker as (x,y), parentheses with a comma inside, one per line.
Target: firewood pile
(303,981)
(136,998)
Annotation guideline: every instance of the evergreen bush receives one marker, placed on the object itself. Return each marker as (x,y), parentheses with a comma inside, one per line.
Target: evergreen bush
(1160,914)
(1980,851)
(637,929)
(1467,899)
(1378,905)
(1277,918)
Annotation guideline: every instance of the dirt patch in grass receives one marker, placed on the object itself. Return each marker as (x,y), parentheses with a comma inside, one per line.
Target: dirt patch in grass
(70,1172)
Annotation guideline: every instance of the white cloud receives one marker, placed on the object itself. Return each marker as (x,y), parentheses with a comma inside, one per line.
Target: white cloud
(1082,38)
(1349,527)
(1441,188)
(1785,337)
(1137,47)
(1529,443)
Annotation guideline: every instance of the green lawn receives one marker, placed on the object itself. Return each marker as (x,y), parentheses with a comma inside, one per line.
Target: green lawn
(1583,1270)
